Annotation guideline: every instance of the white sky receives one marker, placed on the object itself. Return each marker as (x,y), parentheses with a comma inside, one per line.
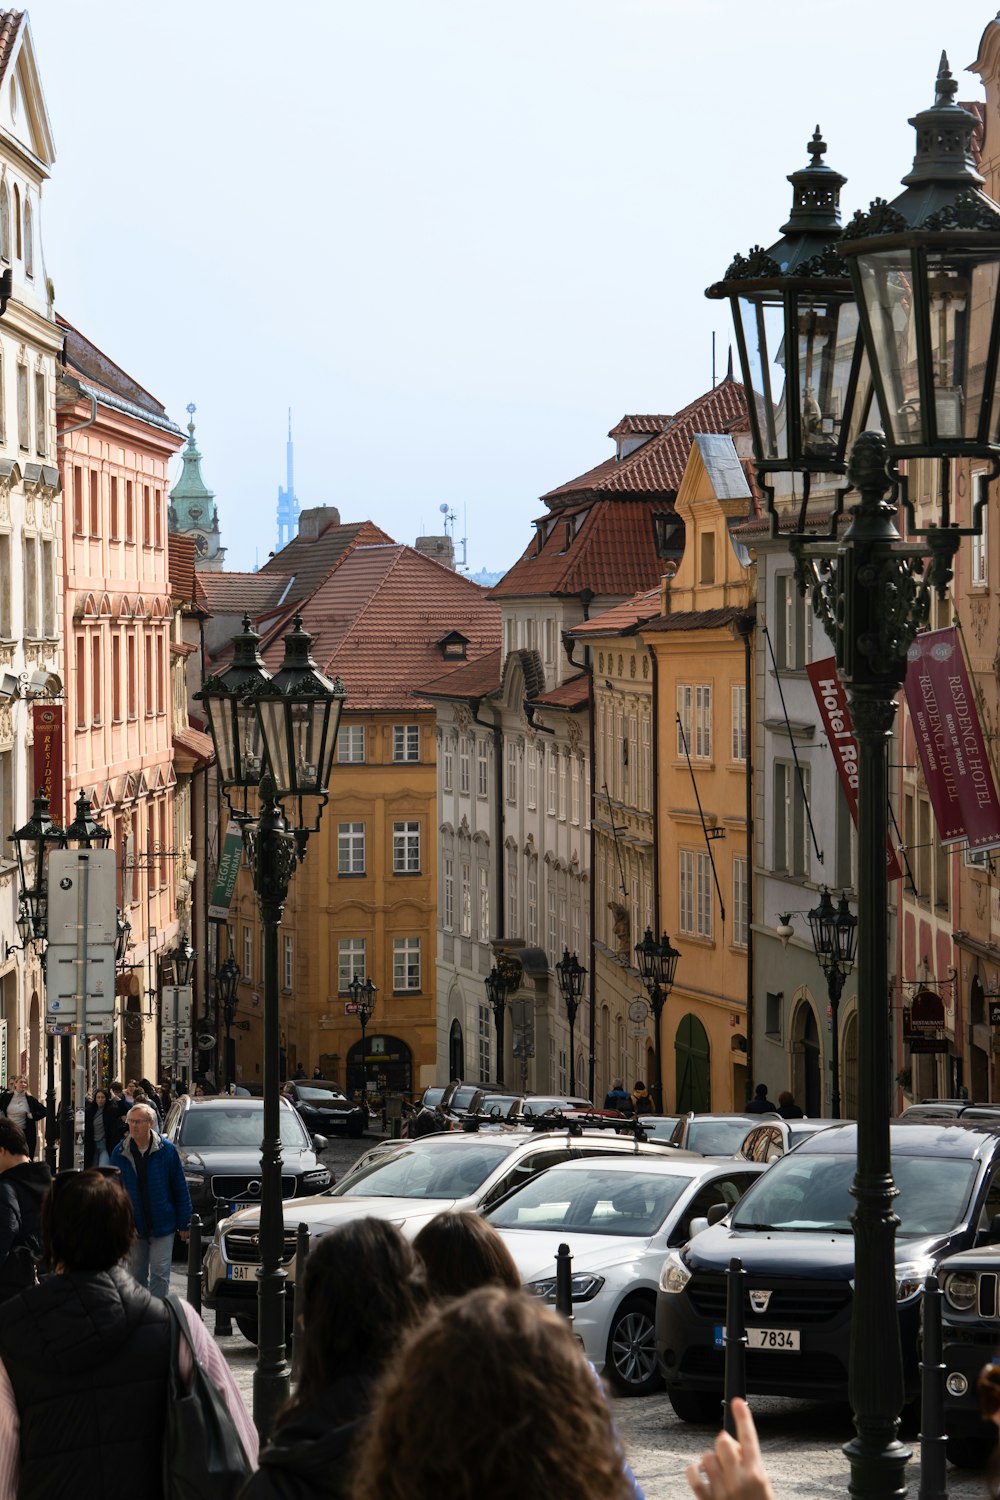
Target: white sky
(460,239)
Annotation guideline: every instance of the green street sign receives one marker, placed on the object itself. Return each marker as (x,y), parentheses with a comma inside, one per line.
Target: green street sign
(225,878)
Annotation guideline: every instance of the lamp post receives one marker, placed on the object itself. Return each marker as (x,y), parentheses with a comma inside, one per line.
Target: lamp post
(181,958)
(918,279)
(276,734)
(227,984)
(835,938)
(571,976)
(363,1000)
(496,994)
(31,842)
(83,833)
(657,963)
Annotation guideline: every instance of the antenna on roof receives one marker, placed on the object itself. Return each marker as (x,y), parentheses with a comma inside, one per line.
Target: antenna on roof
(713,359)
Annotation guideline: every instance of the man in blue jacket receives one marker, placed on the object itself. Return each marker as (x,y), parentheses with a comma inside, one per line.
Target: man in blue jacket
(153,1177)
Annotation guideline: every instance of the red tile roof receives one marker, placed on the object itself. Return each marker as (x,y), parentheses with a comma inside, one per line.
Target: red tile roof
(95,366)
(623,619)
(307,561)
(10,25)
(194,744)
(629,426)
(698,619)
(572,694)
(180,567)
(473,679)
(232,593)
(378,620)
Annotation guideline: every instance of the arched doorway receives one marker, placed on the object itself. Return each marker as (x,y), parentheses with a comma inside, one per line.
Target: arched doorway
(387,1066)
(849,1079)
(805,1050)
(456,1051)
(691,1066)
(34,1047)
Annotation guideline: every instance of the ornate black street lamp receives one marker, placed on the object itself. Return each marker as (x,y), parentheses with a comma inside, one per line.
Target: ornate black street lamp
(363,999)
(925,272)
(31,842)
(276,734)
(571,976)
(835,939)
(657,962)
(123,938)
(85,832)
(227,988)
(181,957)
(502,980)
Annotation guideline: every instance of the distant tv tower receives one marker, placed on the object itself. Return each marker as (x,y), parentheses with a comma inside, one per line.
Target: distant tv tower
(288,504)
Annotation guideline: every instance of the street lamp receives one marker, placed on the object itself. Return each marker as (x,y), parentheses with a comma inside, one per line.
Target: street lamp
(123,938)
(835,939)
(657,963)
(571,976)
(502,980)
(363,1001)
(925,273)
(85,832)
(181,956)
(31,842)
(277,734)
(227,984)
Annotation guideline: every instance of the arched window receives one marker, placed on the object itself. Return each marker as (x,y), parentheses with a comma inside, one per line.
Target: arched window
(692,1066)
(17,220)
(29,240)
(4,223)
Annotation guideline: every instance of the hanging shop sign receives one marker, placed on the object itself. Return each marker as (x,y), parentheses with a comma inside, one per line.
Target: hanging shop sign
(926,1012)
(225,877)
(47,752)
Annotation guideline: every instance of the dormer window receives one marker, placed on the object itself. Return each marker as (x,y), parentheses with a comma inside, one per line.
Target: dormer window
(706,557)
(454,646)
(669,531)
(539,536)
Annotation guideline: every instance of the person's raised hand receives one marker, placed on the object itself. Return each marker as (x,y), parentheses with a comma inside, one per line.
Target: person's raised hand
(733,1470)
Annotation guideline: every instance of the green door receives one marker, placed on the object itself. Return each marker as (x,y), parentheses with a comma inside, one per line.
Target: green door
(691,1051)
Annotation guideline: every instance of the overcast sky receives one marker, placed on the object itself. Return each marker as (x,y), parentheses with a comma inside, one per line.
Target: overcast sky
(460,239)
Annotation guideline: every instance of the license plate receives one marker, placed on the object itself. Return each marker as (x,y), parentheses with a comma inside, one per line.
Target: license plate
(773,1338)
(241,1273)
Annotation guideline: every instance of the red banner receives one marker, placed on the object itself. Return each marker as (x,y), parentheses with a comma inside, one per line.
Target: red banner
(950,741)
(836,715)
(47,754)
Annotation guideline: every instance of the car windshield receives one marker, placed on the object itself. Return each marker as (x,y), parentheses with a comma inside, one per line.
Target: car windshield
(541,1106)
(236,1128)
(812,1192)
(323,1096)
(462,1098)
(591,1202)
(717,1137)
(451,1170)
(659,1127)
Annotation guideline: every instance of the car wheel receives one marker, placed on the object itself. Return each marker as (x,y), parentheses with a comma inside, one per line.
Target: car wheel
(356,1131)
(970,1451)
(702,1407)
(631,1361)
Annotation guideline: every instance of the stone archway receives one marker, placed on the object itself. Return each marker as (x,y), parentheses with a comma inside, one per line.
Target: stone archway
(849,1073)
(692,1066)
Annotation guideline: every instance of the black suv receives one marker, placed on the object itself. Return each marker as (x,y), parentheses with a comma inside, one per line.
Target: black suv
(219,1144)
(324,1107)
(970,1314)
(793,1234)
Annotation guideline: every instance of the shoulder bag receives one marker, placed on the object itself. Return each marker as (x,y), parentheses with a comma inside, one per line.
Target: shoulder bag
(203,1457)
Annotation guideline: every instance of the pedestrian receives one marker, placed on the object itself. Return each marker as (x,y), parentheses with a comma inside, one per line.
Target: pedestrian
(317,1073)
(760,1104)
(617,1098)
(495,1430)
(153,1177)
(23,1186)
(461,1252)
(153,1098)
(85,1357)
(103,1128)
(363,1289)
(787,1107)
(24,1109)
(300,1072)
(733,1469)
(642,1104)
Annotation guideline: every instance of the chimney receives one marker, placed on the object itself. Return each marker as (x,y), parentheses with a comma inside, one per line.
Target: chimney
(441,548)
(316,520)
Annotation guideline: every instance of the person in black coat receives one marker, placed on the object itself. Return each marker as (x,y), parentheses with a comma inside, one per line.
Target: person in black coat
(24,1109)
(760,1104)
(101,1136)
(23,1186)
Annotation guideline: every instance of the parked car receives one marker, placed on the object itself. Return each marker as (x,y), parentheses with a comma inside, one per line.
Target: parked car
(771,1138)
(658,1127)
(793,1234)
(544,1104)
(970,1316)
(324,1107)
(409,1182)
(950,1109)
(617,1215)
(219,1144)
(714,1135)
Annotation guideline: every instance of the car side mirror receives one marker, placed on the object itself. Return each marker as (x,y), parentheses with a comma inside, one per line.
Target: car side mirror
(717,1213)
(320,1142)
(697,1226)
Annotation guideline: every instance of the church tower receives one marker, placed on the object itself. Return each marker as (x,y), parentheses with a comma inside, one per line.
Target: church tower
(288,504)
(193,511)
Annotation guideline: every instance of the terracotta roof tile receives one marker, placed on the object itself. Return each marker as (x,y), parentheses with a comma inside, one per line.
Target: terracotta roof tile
(697,619)
(622,619)
(473,679)
(97,368)
(378,620)
(310,560)
(614,552)
(572,694)
(232,593)
(197,744)
(180,567)
(630,426)
(10,25)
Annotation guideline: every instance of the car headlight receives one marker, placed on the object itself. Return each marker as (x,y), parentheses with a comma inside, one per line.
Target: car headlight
(582,1287)
(194,1168)
(318,1178)
(960,1290)
(910,1279)
(674,1274)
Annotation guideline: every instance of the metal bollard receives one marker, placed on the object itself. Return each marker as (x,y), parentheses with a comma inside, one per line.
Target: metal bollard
(933,1442)
(223,1320)
(194,1263)
(734,1380)
(302,1238)
(564,1282)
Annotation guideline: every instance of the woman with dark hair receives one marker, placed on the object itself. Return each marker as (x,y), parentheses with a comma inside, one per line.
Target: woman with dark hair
(363,1289)
(153,1098)
(461,1252)
(85,1358)
(103,1128)
(24,1109)
(490,1397)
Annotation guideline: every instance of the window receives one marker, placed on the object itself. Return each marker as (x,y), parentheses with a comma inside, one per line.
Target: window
(29,239)
(552,935)
(482,768)
(792,625)
(96,658)
(846,841)
(5,597)
(510,788)
(694,710)
(550,642)
(114,519)
(406,848)
(562,788)
(95,503)
(23,414)
(6,799)
(147,659)
(3,404)
(532,899)
(791,827)
(77,500)
(484,904)
(132,674)
(116,677)
(772,1013)
(41,419)
(81,682)
(4,223)
(147,518)
(741,895)
(466,895)
(447,765)
(350,963)
(129,512)
(980,568)
(532,777)
(551,784)
(17,220)
(157,518)
(485,1051)
(510,634)
(706,557)
(448,905)
(574,790)
(30,586)
(161,672)
(464,767)
(695,893)
(738,698)
(287,963)
(351,849)
(406,963)
(512,902)
(247,975)
(406,742)
(351,743)
(49,589)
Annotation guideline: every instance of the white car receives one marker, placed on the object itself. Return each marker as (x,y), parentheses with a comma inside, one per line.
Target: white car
(618,1215)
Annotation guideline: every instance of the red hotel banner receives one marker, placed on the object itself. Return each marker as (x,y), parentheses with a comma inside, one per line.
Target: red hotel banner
(47,754)
(836,715)
(950,741)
